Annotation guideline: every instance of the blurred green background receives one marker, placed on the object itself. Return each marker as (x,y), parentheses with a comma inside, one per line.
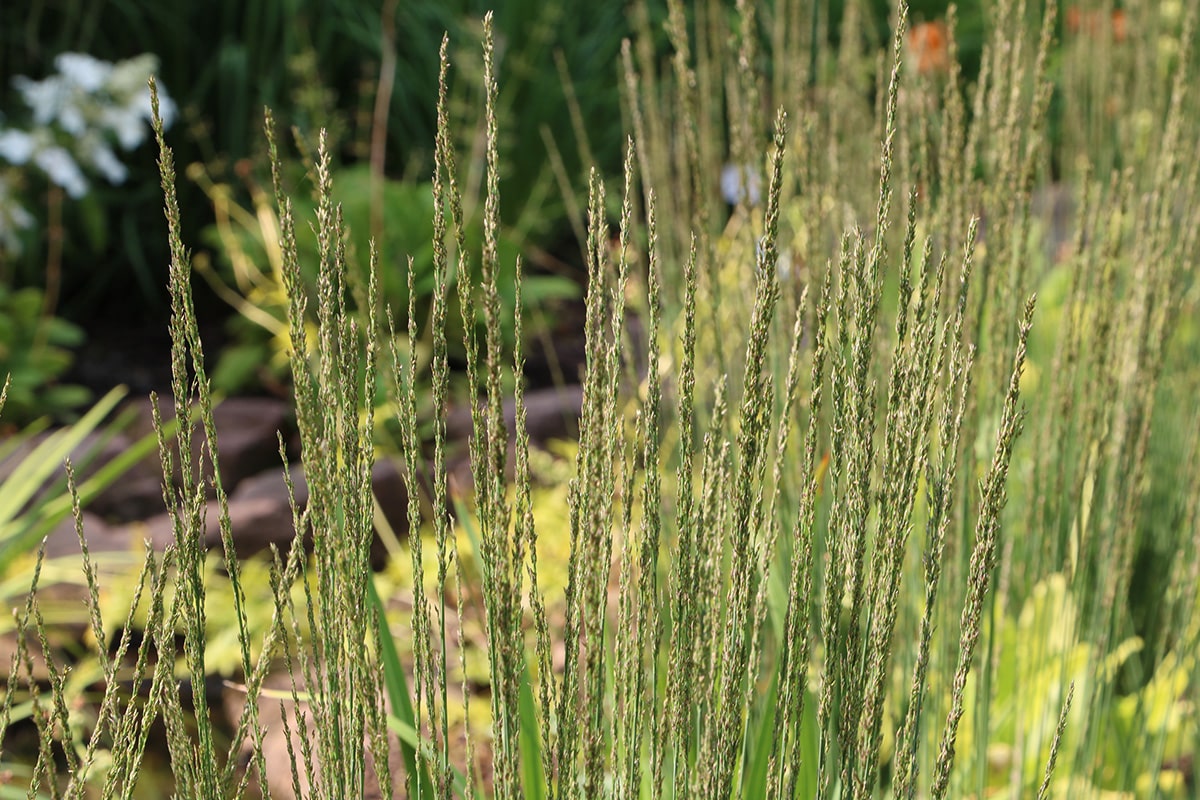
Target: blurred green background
(324,64)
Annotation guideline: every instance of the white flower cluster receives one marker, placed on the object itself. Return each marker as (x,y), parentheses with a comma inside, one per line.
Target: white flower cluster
(740,183)
(78,115)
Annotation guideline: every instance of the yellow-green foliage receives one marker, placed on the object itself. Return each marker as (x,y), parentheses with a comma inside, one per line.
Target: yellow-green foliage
(1039,656)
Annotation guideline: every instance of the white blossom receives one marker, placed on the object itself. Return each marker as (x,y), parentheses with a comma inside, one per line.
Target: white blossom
(130,115)
(731,184)
(96,154)
(16,147)
(128,126)
(83,71)
(45,98)
(39,148)
(166,106)
(78,115)
(61,168)
(73,118)
(128,78)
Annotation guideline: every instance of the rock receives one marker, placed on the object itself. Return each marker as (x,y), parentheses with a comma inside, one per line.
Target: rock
(248,430)
(549,414)
(135,495)
(101,537)
(256,524)
(247,436)
(260,512)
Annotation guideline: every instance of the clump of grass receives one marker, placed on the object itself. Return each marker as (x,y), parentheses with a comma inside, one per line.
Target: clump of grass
(747,610)
(680,686)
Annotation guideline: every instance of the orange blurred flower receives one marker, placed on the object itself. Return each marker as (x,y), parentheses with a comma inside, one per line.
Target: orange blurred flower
(1091,23)
(929,47)
(1119,25)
